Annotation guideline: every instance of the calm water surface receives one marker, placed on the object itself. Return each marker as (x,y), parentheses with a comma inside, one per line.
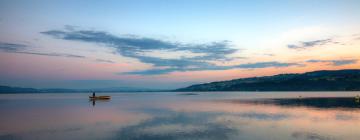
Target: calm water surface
(182,116)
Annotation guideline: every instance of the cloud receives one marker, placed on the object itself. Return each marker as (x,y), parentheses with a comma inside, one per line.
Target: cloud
(72,55)
(356,36)
(269,54)
(310,44)
(53,54)
(21,48)
(215,67)
(266,65)
(339,40)
(131,46)
(343,62)
(335,62)
(11,47)
(104,61)
(135,47)
(152,71)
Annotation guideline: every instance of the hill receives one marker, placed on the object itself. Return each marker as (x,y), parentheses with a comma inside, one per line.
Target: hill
(7,89)
(324,80)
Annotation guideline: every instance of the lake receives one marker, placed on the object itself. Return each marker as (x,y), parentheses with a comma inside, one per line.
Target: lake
(182,116)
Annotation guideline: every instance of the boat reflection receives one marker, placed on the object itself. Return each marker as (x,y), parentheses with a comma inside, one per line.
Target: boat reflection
(93,101)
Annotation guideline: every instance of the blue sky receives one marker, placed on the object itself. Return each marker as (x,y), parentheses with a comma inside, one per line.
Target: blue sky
(170,44)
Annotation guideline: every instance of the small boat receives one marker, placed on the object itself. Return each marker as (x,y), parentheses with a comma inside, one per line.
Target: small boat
(99,97)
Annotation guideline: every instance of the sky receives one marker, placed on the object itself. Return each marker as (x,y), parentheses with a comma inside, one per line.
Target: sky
(168,44)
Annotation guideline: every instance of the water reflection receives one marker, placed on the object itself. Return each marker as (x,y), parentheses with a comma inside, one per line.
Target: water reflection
(318,102)
(309,136)
(94,101)
(264,116)
(174,117)
(188,94)
(8,137)
(177,126)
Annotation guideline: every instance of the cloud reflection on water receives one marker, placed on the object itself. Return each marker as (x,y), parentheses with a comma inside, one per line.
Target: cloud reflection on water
(140,117)
(177,126)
